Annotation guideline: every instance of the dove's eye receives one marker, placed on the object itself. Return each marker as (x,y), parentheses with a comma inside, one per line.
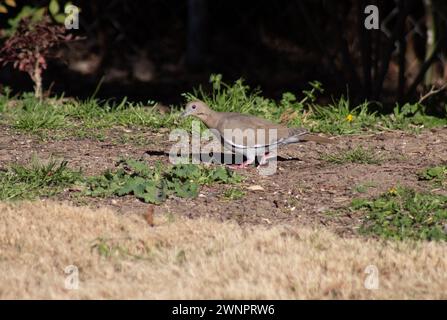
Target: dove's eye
(194,106)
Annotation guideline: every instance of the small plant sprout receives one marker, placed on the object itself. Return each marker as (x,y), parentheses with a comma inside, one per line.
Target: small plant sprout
(359,155)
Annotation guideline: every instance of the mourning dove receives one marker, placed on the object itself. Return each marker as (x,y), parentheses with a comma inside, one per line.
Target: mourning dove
(248,135)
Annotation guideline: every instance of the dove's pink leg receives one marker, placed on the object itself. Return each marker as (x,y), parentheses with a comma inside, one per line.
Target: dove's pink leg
(243,165)
(265,157)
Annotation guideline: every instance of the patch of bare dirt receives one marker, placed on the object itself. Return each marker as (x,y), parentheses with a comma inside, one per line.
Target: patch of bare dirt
(305,190)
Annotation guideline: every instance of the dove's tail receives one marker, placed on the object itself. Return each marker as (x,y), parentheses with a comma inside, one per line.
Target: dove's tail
(315,138)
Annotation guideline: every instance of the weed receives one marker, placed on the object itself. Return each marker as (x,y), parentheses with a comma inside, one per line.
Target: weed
(37,179)
(334,213)
(339,117)
(358,155)
(438,175)
(233,194)
(403,213)
(240,98)
(5,97)
(155,184)
(363,187)
(410,117)
(137,139)
(118,248)
(180,257)
(35,115)
(95,114)
(82,118)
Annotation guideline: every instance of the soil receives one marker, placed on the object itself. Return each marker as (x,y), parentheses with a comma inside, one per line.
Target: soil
(305,190)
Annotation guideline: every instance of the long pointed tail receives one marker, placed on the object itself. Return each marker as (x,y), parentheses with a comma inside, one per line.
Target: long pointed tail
(311,137)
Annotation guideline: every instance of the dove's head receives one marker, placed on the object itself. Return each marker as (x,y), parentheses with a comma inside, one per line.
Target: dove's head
(198,109)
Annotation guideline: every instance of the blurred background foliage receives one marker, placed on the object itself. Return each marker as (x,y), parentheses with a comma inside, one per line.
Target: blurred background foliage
(158,49)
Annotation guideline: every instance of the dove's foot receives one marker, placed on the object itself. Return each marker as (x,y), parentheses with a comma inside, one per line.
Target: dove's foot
(243,165)
(265,158)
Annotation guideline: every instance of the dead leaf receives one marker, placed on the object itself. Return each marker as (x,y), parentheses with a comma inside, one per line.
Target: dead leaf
(149,216)
(255,188)
(340,199)
(10,3)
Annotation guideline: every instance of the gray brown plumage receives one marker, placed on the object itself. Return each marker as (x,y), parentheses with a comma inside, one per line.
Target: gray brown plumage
(247,134)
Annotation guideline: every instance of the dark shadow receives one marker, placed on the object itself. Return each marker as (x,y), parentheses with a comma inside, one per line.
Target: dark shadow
(156,153)
(218,158)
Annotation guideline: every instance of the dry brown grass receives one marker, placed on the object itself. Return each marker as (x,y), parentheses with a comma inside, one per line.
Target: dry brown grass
(200,259)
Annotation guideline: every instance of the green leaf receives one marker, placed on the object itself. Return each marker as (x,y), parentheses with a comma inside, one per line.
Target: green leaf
(359,203)
(59,18)
(187,190)
(139,167)
(54,7)
(433,173)
(149,198)
(132,185)
(221,174)
(38,15)
(154,185)
(150,192)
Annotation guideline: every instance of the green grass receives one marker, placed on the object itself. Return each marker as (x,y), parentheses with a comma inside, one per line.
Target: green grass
(149,184)
(411,117)
(438,175)
(363,187)
(338,117)
(5,97)
(36,116)
(358,155)
(60,118)
(156,184)
(36,180)
(94,114)
(116,248)
(233,194)
(404,213)
(134,138)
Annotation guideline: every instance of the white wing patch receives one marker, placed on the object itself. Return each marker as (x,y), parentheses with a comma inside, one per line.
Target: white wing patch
(256,146)
(231,144)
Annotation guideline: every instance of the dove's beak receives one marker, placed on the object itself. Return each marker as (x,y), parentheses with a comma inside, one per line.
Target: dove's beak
(186,113)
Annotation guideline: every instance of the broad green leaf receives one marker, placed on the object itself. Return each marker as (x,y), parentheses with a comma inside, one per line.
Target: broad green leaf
(150,198)
(38,15)
(187,190)
(59,18)
(221,174)
(54,7)
(126,189)
(139,167)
